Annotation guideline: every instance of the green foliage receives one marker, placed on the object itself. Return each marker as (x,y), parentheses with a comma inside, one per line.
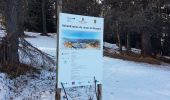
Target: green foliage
(34,19)
(82,7)
(139,18)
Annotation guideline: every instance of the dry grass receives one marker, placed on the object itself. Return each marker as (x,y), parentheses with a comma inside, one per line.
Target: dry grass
(133,57)
(21,69)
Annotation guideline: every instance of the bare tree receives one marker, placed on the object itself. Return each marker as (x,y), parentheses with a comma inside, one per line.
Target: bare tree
(12,28)
(44,20)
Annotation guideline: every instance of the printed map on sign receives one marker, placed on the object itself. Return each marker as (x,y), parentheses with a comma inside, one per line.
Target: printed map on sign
(80,50)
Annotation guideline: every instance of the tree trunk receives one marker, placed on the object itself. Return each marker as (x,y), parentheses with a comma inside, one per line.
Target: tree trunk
(44,17)
(21,17)
(146,44)
(12,31)
(119,42)
(128,42)
(119,38)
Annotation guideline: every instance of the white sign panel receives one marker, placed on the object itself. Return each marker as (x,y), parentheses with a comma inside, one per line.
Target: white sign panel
(80,57)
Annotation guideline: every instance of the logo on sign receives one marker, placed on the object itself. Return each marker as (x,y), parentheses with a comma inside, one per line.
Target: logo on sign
(95,21)
(70,19)
(83,21)
(73,83)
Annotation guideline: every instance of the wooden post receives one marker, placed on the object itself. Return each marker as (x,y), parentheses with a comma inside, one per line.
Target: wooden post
(58,94)
(99,91)
(59,9)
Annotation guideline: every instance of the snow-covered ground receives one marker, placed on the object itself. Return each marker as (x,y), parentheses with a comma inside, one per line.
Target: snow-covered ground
(122,80)
(46,44)
(2,33)
(126,80)
(27,87)
(115,49)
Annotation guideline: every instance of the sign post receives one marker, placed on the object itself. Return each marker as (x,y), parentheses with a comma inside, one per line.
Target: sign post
(99,91)
(59,9)
(80,52)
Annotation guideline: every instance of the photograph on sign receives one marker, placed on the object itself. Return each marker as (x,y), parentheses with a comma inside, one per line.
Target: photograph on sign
(81,40)
(80,54)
